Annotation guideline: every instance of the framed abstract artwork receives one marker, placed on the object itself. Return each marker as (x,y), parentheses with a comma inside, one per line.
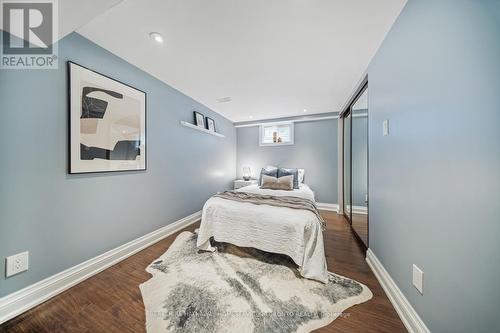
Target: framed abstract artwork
(107,123)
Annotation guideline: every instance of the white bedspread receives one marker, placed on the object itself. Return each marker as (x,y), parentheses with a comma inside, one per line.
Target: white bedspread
(289,231)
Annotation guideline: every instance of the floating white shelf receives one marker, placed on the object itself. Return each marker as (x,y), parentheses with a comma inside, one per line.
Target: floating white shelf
(185,123)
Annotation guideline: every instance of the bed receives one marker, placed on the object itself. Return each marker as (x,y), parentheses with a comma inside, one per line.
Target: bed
(297,233)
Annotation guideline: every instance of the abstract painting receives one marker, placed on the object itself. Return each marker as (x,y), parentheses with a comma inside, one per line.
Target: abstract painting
(107,123)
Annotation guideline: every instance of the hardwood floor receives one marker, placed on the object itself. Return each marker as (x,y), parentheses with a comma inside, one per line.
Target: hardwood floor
(111,301)
(360,225)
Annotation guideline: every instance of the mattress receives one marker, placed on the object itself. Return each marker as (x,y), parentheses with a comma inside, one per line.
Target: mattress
(293,232)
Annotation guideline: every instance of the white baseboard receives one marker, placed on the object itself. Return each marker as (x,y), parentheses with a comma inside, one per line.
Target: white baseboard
(359,210)
(20,301)
(335,208)
(406,312)
(328,206)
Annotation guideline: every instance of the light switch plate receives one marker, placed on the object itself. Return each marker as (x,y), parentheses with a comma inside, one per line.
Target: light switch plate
(418,279)
(385,127)
(17,263)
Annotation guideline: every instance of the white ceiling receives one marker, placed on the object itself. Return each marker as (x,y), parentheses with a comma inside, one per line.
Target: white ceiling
(72,14)
(273,58)
(75,13)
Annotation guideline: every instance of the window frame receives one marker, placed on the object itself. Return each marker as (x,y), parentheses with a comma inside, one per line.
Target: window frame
(281,123)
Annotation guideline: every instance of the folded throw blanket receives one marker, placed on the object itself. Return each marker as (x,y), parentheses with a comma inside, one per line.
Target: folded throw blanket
(281,201)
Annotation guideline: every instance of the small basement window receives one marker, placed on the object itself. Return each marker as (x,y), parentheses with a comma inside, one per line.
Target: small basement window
(276,134)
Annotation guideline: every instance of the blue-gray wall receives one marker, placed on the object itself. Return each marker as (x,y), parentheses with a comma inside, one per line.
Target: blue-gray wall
(64,219)
(435,180)
(314,149)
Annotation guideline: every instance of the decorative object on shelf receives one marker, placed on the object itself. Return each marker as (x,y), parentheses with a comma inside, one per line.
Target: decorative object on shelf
(247,173)
(199,119)
(107,123)
(277,138)
(210,124)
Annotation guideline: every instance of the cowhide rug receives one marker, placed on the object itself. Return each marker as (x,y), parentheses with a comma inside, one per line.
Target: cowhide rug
(239,290)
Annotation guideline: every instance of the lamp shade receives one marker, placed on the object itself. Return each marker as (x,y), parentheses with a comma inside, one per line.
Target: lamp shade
(247,173)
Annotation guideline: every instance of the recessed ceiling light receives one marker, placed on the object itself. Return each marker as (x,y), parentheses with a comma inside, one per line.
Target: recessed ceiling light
(156,36)
(251,117)
(305,110)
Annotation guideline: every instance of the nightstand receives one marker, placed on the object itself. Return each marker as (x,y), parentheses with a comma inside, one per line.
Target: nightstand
(239,183)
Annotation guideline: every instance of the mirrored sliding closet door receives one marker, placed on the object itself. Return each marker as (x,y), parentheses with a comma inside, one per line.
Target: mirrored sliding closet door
(355,164)
(347,165)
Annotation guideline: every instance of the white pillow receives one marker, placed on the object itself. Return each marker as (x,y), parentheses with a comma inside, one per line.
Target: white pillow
(302,173)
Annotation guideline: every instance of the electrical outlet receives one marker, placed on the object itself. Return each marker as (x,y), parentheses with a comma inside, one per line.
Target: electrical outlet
(418,279)
(17,263)
(385,128)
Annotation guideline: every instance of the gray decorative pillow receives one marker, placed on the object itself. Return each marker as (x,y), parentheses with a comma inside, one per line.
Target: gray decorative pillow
(268,171)
(290,172)
(273,183)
